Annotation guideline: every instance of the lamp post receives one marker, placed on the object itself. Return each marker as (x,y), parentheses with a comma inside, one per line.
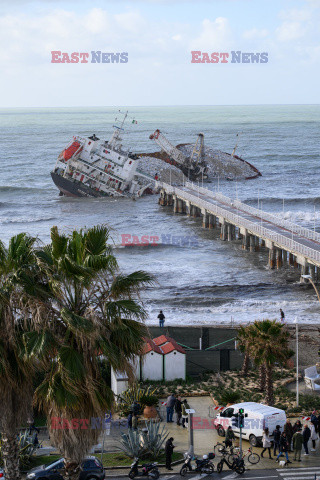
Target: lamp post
(190,412)
(297,360)
(308,277)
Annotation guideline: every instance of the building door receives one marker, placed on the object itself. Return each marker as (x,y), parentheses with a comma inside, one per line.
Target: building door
(224,360)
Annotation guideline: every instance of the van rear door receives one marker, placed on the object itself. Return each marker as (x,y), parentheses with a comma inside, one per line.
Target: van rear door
(271,421)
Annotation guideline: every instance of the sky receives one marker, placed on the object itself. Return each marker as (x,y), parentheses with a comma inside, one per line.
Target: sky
(159,36)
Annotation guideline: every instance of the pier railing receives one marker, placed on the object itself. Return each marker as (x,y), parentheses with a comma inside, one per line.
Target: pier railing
(266,216)
(281,240)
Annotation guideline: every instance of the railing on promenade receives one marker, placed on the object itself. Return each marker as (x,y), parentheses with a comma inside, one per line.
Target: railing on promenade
(281,240)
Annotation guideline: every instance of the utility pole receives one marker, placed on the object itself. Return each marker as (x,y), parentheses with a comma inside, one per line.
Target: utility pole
(190,412)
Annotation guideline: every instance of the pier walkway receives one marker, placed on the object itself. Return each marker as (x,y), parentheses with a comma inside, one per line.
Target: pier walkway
(286,241)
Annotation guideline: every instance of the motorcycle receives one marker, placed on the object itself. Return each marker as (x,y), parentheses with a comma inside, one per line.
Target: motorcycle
(237,465)
(202,466)
(148,470)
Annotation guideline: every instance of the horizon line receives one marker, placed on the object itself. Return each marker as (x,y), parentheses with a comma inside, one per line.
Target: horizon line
(175,105)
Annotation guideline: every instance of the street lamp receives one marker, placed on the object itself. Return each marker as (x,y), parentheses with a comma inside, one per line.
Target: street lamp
(297,360)
(308,277)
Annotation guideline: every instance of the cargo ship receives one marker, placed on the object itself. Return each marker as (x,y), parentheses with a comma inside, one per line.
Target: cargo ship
(90,167)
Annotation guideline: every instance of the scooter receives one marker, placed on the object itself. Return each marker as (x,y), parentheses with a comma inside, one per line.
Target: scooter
(237,465)
(202,466)
(148,470)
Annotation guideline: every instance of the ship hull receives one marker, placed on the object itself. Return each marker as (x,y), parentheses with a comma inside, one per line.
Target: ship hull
(73,188)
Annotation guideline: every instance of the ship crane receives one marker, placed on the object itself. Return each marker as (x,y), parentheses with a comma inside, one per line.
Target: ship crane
(193,167)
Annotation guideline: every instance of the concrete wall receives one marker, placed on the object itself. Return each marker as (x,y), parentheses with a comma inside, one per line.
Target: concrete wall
(152,366)
(199,361)
(174,366)
(190,335)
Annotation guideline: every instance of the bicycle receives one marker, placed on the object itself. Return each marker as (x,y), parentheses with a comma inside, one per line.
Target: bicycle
(253,457)
(221,450)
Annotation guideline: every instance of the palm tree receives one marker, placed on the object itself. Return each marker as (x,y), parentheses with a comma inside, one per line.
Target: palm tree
(270,347)
(92,312)
(245,340)
(17,278)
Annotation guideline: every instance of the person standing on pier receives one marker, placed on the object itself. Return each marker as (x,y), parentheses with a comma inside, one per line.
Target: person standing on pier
(161,319)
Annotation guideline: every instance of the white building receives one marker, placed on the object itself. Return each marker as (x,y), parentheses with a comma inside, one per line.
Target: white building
(151,362)
(161,359)
(119,382)
(174,358)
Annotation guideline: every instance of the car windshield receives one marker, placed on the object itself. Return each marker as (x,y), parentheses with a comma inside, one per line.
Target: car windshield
(57,464)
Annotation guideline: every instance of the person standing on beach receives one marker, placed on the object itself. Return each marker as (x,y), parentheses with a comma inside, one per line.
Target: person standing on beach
(282,315)
(161,319)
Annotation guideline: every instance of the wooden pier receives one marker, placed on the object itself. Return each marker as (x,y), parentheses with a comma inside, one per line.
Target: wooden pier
(286,241)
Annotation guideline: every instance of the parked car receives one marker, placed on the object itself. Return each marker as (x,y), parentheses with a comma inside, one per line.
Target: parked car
(91,469)
(258,418)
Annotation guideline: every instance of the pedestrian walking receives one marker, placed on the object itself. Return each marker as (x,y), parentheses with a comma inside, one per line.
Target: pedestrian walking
(306,436)
(284,447)
(288,429)
(297,426)
(229,437)
(178,409)
(266,442)
(171,400)
(168,449)
(282,315)
(297,445)
(314,437)
(161,319)
(276,440)
(184,408)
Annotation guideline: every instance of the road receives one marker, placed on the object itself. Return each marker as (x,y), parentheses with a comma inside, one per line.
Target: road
(307,473)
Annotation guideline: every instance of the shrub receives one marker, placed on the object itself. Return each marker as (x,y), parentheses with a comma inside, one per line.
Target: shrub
(142,442)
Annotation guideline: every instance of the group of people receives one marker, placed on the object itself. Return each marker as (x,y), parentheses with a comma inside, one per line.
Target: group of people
(180,407)
(291,439)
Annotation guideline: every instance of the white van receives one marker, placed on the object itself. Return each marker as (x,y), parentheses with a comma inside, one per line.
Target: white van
(258,418)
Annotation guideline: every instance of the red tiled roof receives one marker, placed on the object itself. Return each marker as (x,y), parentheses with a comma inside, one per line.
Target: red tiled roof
(160,340)
(150,346)
(168,344)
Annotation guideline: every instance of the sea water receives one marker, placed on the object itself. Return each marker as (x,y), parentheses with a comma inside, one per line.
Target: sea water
(199,278)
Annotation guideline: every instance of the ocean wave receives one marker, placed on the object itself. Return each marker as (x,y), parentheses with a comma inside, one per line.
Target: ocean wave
(17,220)
(279,200)
(16,188)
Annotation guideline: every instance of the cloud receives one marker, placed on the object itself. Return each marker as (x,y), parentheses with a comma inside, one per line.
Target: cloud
(215,35)
(289,31)
(255,33)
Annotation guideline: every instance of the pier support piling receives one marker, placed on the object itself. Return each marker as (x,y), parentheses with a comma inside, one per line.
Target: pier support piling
(272,258)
